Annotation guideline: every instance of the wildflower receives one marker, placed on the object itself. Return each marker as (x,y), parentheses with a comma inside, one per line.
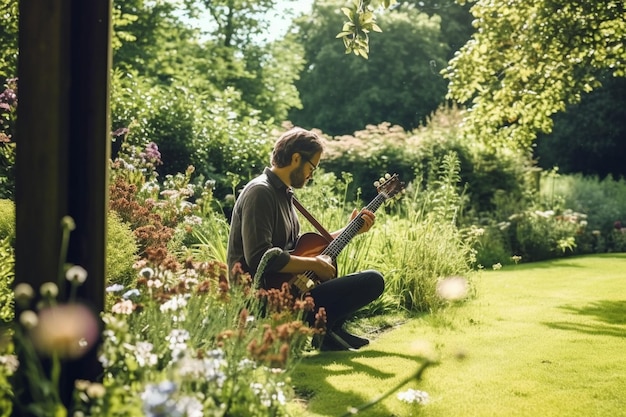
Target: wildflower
(67,223)
(131,293)
(10,363)
(123,307)
(29,319)
(192,220)
(23,294)
(95,390)
(189,407)
(177,341)
(452,288)
(81,384)
(144,355)
(156,283)
(497,266)
(49,290)
(68,330)
(516,258)
(174,303)
(147,273)
(157,399)
(115,288)
(76,274)
(413,396)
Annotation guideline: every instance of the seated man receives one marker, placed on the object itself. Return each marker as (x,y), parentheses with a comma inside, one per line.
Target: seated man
(264,217)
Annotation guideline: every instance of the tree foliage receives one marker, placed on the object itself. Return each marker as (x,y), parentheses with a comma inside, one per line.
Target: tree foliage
(529,60)
(589,137)
(400,83)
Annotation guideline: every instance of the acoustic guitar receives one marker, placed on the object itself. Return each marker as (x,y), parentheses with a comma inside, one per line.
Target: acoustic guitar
(313,244)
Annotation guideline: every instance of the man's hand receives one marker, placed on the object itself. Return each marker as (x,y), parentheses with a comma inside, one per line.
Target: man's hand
(324,268)
(368,218)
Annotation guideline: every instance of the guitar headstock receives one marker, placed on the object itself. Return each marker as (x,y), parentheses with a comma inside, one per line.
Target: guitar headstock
(390,186)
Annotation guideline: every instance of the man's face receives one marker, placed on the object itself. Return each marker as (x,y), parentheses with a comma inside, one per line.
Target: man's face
(304,172)
(298,177)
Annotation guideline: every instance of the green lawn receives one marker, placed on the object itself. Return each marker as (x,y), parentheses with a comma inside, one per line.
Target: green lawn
(543,339)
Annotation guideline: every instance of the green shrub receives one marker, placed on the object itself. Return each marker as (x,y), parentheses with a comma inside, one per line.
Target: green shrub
(538,235)
(491,245)
(7,274)
(603,202)
(7,219)
(121,251)
(390,149)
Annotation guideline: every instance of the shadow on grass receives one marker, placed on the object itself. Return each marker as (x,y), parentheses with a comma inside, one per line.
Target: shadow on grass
(610,315)
(345,363)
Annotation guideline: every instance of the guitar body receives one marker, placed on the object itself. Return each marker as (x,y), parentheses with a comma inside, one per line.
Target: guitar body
(310,244)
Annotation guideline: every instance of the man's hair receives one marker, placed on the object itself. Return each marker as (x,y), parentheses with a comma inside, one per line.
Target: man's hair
(295,140)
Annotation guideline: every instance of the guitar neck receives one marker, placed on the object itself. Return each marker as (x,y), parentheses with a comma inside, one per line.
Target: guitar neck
(336,246)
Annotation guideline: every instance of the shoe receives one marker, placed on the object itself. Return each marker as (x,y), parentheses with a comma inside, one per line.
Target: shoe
(354,341)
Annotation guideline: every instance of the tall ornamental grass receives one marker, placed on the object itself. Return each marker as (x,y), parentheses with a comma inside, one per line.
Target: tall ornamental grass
(415,242)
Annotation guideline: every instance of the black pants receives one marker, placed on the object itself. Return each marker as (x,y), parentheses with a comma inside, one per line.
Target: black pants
(343,296)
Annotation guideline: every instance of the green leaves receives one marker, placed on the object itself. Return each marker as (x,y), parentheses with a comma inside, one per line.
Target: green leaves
(361,21)
(528,61)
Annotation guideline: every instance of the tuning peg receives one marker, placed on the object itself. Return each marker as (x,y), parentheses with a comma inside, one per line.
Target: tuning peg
(387,176)
(376,184)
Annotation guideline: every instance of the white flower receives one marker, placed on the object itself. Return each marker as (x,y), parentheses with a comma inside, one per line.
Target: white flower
(49,290)
(452,288)
(115,288)
(23,293)
(156,283)
(10,363)
(413,396)
(144,355)
(496,266)
(189,407)
(76,274)
(173,303)
(29,319)
(147,273)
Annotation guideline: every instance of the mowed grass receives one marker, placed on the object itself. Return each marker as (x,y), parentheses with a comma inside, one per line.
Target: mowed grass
(541,339)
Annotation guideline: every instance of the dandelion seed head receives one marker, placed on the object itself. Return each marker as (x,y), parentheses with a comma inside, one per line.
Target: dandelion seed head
(76,274)
(49,290)
(452,288)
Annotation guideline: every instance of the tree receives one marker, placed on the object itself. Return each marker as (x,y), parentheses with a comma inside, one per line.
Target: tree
(529,60)
(456,21)
(589,137)
(399,83)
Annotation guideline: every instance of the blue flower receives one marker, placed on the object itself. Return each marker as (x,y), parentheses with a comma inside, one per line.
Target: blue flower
(131,293)
(157,401)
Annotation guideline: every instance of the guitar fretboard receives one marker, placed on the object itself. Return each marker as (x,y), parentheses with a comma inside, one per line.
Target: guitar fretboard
(336,246)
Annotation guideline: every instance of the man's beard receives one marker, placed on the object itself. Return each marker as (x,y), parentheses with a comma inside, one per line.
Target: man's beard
(297,177)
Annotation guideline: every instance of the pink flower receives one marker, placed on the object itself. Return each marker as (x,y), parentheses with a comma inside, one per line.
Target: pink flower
(68,330)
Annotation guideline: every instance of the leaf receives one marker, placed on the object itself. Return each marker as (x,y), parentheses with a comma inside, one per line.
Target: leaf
(342,34)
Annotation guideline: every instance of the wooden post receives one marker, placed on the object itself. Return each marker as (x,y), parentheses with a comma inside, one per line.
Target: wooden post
(63,149)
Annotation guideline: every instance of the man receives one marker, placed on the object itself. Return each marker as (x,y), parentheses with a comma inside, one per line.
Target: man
(264,217)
